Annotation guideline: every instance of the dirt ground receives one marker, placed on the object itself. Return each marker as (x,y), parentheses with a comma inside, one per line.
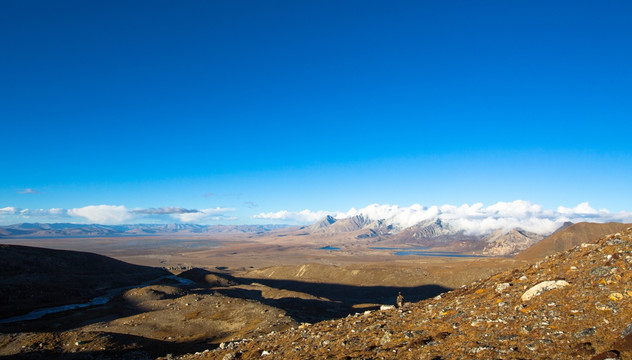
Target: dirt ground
(244,286)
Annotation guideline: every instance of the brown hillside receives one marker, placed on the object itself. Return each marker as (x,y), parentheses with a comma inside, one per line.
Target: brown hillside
(569,237)
(572,305)
(32,277)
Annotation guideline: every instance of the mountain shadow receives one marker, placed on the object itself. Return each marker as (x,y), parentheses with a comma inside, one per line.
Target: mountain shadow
(311,301)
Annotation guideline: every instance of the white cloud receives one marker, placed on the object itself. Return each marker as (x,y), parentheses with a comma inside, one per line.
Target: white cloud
(34,213)
(9,210)
(216,214)
(473,219)
(581,209)
(45,213)
(111,214)
(164,211)
(103,214)
(305,216)
(28,191)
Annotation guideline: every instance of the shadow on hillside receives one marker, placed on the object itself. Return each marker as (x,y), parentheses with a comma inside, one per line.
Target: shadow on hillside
(307,302)
(32,278)
(71,319)
(333,300)
(130,347)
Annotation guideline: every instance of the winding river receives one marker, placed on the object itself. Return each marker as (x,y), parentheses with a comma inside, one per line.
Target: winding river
(99,300)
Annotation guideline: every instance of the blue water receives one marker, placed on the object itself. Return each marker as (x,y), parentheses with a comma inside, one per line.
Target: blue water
(397,248)
(423,251)
(329,248)
(435,253)
(99,300)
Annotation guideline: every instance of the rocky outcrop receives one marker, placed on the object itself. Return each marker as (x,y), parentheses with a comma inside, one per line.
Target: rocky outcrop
(353,223)
(323,223)
(433,233)
(538,289)
(568,237)
(509,243)
(431,229)
(329,224)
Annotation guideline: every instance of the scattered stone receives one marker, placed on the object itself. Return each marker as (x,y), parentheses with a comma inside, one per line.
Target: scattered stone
(608,355)
(507,337)
(586,332)
(229,356)
(601,271)
(615,296)
(538,289)
(502,287)
(478,349)
(606,307)
(386,338)
(627,330)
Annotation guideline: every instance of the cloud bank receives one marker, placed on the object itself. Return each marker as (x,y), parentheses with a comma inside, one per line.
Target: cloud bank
(103,214)
(116,214)
(303,217)
(473,219)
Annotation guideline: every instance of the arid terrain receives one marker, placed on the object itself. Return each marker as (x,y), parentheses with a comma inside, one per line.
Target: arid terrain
(244,286)
(575,304)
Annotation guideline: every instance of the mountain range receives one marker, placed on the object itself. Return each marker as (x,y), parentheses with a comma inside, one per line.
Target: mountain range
(431,233)
(434,233)
(93,230)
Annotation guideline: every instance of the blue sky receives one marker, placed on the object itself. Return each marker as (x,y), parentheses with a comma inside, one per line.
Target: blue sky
(242,108)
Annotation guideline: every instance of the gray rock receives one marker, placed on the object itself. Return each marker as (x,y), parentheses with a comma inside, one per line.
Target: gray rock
(386,338)
(586,332)
(538,289)
(507,337)
(229,356)
(627,330)
(601,271)
(608,355)
(502,287)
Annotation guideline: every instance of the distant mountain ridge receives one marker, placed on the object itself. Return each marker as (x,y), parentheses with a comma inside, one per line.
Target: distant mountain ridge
(568,236)
(437,233)
(500,243)
(430,233)
(96,230)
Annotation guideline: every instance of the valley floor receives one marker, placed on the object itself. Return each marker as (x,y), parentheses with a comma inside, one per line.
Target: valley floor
(243,288)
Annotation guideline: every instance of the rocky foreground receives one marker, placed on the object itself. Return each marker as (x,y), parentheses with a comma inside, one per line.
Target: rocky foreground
(576,304)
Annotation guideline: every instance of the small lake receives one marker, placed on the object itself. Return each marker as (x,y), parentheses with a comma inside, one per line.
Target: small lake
(423,251)
(435,253)
(333,248)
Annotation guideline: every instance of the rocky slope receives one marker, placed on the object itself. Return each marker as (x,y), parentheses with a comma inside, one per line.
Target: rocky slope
(508,243)
(568,236)
(576,304)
